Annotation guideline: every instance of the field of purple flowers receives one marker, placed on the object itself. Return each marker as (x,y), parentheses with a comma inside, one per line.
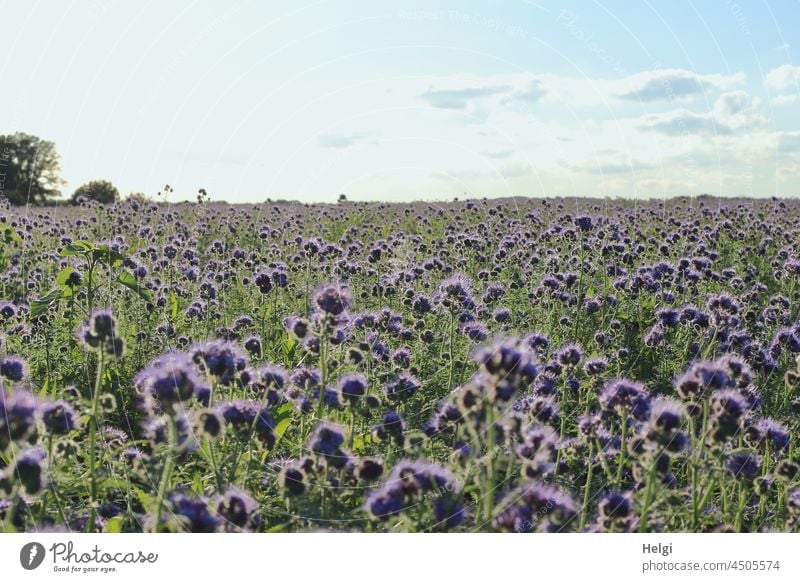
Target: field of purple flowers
(512,366)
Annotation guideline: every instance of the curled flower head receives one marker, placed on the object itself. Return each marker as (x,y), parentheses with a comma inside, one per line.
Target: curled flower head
(353,386)
(171,379)
(326,442)
(402,388)
(333,299)
(18,413)
(220,359)
(625,396)
(615,512)
(534,507)
(743,466)
(100,333)
(13,368)
(30,470)
(237,509)
(192,513)
(292,479)
(59,417)
(510,359)
(248,417)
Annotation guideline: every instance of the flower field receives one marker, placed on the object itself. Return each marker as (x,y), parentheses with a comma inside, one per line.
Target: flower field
(511,366)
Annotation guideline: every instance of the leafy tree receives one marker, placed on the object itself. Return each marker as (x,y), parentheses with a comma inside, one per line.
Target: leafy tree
(29,169)
(101,191)
(140,198)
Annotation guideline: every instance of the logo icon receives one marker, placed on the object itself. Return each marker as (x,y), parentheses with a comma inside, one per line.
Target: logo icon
(31,555)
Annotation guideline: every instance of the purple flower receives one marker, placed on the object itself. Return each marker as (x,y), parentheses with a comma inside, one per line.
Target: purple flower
(625,396)
(327,440)
(402,388)
(193,513)
(13,368)
(18,412)
(30,470)
(743,466)
(352,386)
(59,417)
(220,359)
(534,507)
(171,380)
(248,418)
(332,299)
(237,509)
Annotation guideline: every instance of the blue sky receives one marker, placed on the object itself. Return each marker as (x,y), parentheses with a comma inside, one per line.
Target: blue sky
(409,100)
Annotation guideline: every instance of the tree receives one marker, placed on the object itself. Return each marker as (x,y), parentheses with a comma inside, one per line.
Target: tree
(101,191)
(140,198)
(29,169)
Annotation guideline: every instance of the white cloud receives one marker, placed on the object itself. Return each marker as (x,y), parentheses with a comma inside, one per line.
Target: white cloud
(675,85)
(783,77)
(731,112)
(738,110)
(785,99)
(682,122)
(340,140)
(789,141)
(461,97)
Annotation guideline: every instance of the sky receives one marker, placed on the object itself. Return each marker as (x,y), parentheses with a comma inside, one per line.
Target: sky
(410,100)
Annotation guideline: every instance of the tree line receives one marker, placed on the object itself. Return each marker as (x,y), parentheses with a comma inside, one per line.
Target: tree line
(30,173)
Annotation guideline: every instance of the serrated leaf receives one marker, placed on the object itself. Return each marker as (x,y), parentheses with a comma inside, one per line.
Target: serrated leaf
(125,278)
(290,346)
(10,235)
(63,276)
(107,255)
(173,301)
(40,305)
(358,444)
(197,483)
(283,411)
(280,428)
(76,248)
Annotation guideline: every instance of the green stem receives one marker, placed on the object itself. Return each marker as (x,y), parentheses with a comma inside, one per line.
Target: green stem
(166,473)
(489,500)
(587,488)
(621,460)
(93,426)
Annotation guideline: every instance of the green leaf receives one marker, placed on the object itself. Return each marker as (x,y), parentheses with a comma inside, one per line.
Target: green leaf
(197,483)
(127,279)
(62,277)
(173,302)
(76,248)
(40,305)
(10,235)
(284,411)
(358,444)
(113,525)
(290,346)
(280,428)
(107,255)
